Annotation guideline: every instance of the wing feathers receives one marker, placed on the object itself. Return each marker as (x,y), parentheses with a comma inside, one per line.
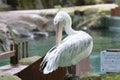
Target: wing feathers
(50,62)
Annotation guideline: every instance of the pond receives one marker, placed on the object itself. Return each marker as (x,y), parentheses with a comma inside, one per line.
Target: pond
(103,39)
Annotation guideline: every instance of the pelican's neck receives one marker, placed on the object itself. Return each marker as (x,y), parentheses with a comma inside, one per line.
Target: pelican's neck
(68,24)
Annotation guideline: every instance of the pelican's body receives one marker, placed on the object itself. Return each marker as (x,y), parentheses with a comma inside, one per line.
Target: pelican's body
(75,47)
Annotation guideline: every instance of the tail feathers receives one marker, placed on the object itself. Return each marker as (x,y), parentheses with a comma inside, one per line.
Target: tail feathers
(49,63)
(42,66)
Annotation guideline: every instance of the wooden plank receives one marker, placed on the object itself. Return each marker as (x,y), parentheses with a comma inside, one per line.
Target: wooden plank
(12,69)
(26,47)
(7,54)
(23,49)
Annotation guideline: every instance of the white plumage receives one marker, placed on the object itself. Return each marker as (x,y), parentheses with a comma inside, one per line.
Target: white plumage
(75,47)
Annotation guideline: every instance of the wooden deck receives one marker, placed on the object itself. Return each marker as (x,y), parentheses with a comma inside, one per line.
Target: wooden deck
(12,69)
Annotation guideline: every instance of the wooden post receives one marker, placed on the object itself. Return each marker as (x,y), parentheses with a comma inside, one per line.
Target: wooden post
(14,59)
(26,47)
(11,48)
(23,50)
(19,55)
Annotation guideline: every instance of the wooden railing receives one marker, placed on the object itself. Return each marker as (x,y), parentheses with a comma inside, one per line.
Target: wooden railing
(7,54)
(17,51)
(22,50)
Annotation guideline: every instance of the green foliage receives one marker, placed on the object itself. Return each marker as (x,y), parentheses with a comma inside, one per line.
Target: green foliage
(24,4)
(4,7)
(111,77)
(117,2)
(58,6)
(93,1)
(33,4)
(8,77)
(95,77)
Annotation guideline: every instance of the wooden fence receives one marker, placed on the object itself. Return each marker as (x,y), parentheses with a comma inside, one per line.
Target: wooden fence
(23,49)
(17,51)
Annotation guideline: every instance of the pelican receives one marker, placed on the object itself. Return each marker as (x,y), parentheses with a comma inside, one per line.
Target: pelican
(69,51)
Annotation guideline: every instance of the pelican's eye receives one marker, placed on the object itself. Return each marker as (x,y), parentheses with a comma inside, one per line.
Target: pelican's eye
(57,19)
(55,22)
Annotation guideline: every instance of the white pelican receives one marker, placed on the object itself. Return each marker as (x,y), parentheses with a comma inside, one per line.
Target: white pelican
(75,47)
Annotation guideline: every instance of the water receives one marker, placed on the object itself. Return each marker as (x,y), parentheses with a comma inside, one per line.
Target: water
(103,39)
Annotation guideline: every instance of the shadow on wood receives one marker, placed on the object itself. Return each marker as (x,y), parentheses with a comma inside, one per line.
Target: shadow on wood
(32,72)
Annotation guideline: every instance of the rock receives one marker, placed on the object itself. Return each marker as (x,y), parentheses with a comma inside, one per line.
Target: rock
(23,34)
(22,24)
(23,21)
(14,26)
(3,27)
(4,37)
(40,34)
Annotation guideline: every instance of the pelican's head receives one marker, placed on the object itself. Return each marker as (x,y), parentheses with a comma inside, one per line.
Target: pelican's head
(58,20)
(61,18)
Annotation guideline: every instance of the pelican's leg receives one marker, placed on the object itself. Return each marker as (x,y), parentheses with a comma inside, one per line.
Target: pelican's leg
(73,70)
(67,72)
